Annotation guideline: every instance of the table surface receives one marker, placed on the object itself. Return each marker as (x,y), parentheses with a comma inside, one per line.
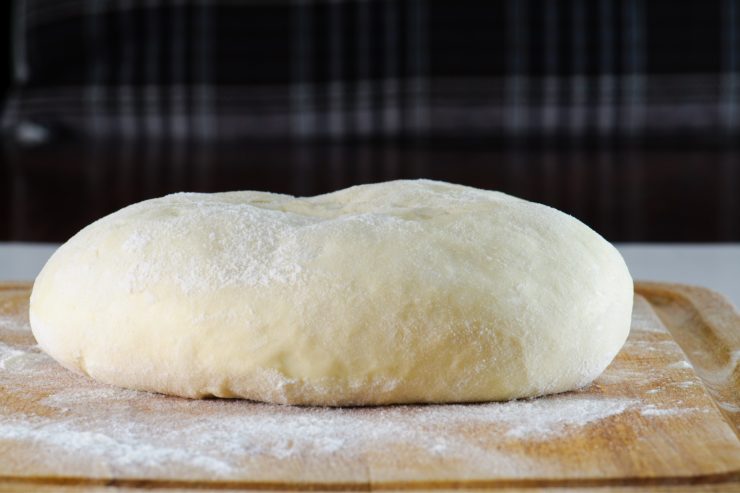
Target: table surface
(661,416)
(715,266)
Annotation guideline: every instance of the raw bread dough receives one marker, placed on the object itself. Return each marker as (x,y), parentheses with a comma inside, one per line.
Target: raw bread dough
(397,292)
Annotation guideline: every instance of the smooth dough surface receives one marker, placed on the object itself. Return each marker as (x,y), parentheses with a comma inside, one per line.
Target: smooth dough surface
(396,292)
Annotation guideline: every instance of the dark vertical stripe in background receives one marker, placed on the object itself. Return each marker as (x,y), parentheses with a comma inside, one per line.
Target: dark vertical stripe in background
(731,65)
(516,52)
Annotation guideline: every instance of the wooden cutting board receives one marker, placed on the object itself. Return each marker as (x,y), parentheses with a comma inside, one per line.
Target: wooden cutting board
(666,414)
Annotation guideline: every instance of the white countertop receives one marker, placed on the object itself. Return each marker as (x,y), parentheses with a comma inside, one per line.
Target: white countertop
(715,266)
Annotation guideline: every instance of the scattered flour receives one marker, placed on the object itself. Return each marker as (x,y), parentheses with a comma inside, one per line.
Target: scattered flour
(17,360)
(651,410)
(138,434)
(221,434)
(12,323)
(680,364)
(687,384)
(728,406)
(94,428)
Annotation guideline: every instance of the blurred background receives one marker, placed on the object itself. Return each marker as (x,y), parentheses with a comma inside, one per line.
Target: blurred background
(625,114)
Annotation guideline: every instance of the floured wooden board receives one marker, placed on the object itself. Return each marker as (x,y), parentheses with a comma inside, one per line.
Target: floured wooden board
(666,412)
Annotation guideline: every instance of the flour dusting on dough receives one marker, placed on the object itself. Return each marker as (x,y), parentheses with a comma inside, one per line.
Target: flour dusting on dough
(399,292)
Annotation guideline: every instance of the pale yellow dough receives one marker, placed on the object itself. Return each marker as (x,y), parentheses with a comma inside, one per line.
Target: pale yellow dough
(397,292)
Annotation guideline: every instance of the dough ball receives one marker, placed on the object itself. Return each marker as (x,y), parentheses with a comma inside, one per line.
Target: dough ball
(397,292)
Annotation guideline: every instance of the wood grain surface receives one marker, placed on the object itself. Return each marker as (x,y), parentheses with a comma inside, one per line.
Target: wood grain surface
(664,416)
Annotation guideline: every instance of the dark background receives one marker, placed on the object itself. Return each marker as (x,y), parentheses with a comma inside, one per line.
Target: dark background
(5,10)
(675,182)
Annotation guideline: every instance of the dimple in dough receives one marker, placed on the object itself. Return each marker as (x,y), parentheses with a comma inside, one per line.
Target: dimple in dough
(396,292)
